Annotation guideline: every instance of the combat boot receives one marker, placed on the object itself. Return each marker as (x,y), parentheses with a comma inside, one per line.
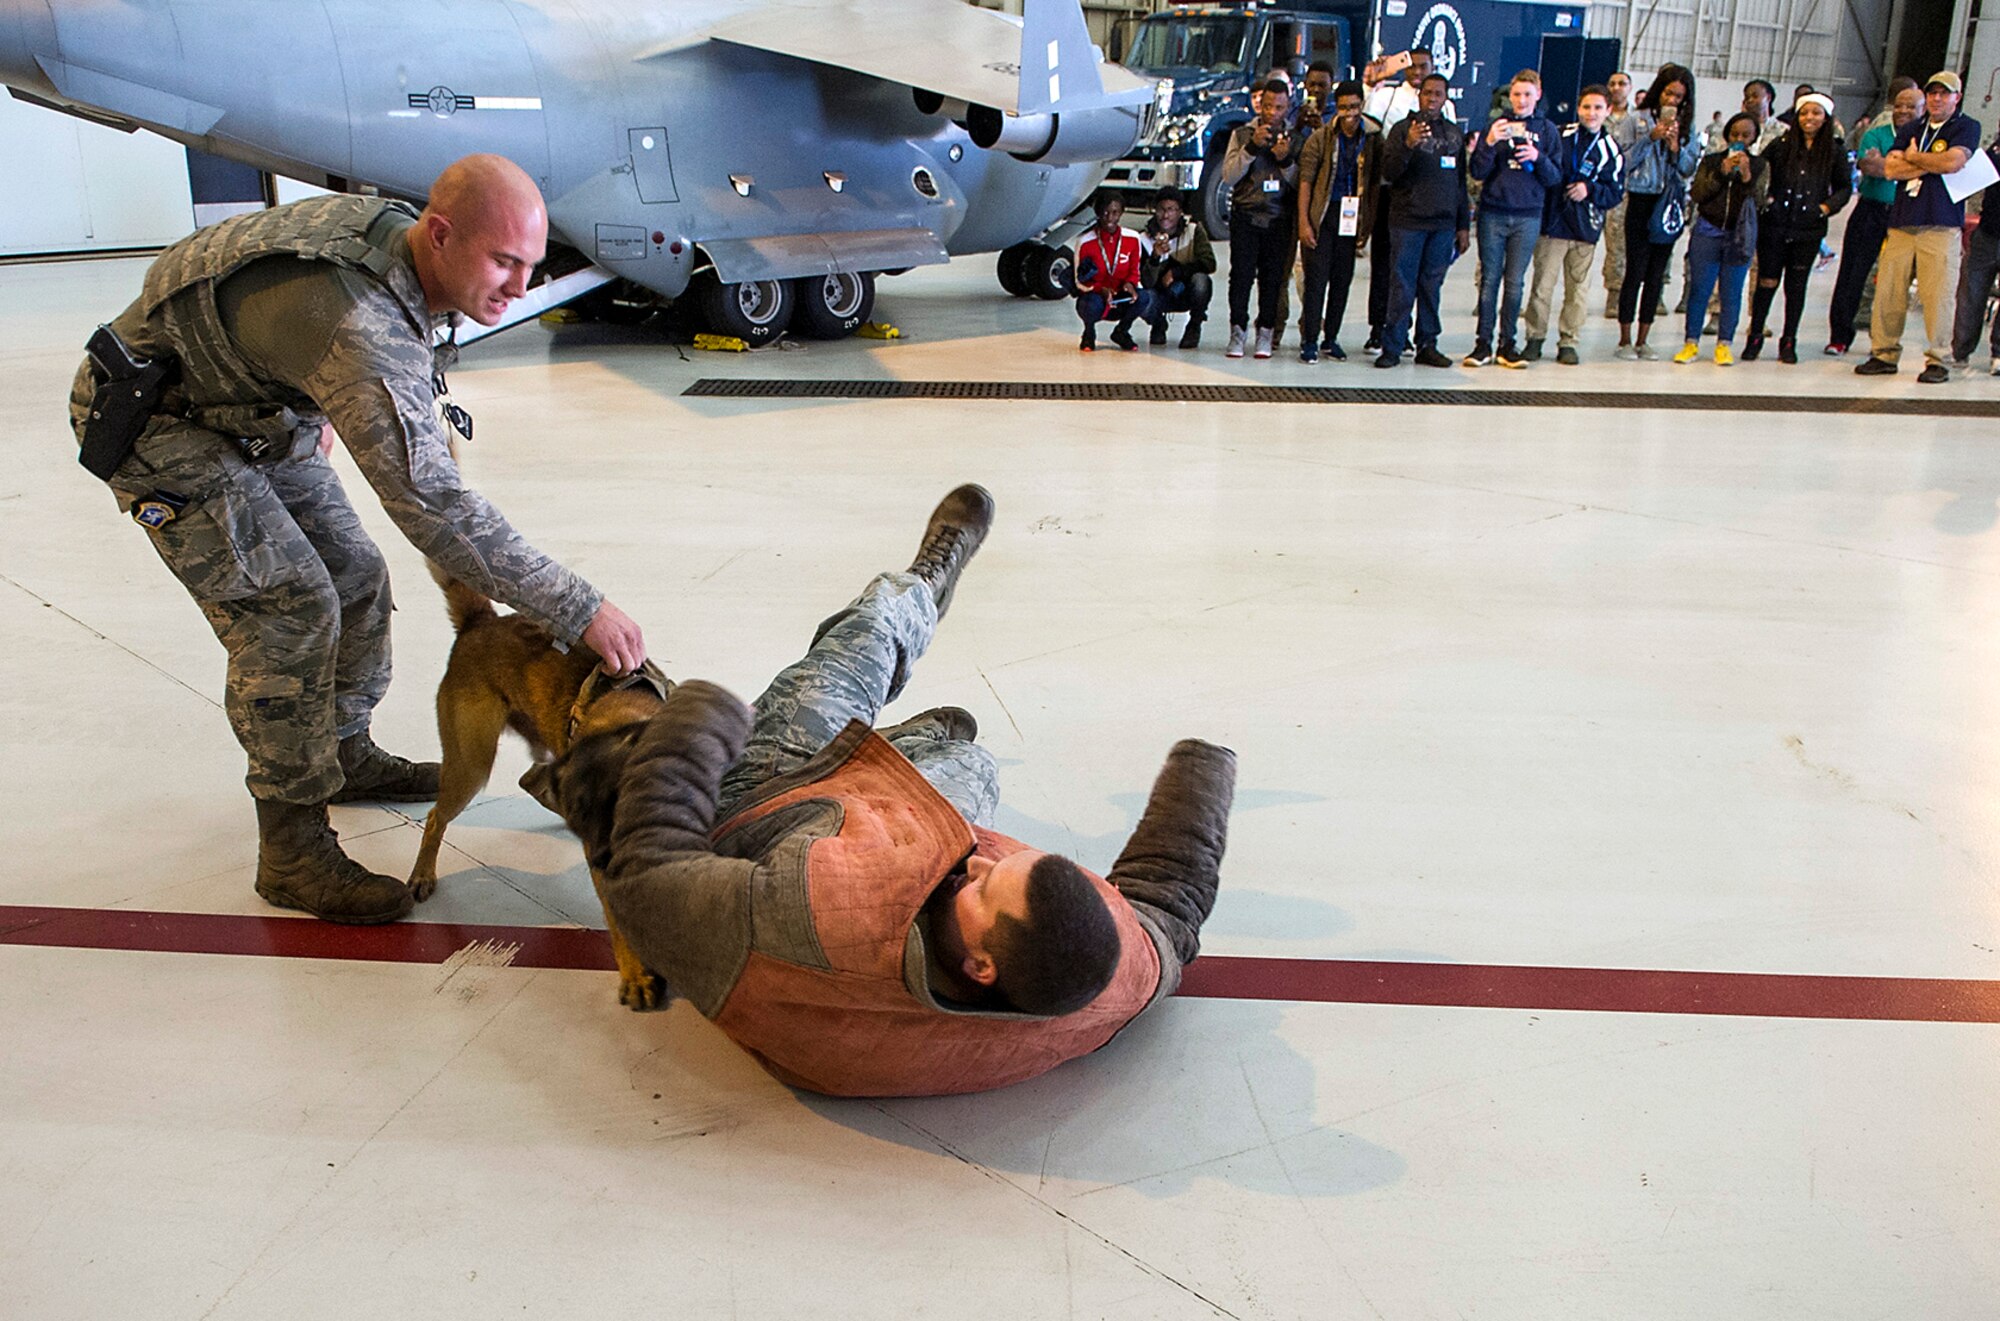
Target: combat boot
(957,527)
(300,865)
(375,776)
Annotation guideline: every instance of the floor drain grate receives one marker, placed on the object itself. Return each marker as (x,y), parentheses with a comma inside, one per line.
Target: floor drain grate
(1149,393)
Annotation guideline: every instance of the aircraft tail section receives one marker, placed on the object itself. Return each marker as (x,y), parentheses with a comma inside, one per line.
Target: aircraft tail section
(1059,63)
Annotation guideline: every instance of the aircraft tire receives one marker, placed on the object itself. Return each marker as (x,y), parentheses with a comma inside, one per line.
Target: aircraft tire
(756,312)
(1050,272)
(1013,266)
(832,306)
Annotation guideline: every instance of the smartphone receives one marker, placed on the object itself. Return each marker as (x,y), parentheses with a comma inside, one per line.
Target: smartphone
(1397,63)
(1669,113)
(1517,131)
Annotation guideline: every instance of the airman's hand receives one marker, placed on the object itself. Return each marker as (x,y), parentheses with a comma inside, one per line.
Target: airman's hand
(616,639)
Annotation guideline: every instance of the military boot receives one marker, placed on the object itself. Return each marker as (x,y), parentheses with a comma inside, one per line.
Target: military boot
(958,525)
(375,776)
(300,865)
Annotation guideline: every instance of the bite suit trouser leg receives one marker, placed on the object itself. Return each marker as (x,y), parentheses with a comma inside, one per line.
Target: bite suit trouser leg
(858,663)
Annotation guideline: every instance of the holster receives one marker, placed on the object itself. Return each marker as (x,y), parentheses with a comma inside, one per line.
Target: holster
(127,395)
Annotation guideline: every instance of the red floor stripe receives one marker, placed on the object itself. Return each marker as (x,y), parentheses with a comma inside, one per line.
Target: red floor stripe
(1344,981)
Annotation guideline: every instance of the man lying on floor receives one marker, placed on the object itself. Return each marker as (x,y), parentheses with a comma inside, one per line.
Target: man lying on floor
(830,894)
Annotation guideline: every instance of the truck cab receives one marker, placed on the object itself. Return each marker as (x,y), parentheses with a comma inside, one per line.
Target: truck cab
(1212,53)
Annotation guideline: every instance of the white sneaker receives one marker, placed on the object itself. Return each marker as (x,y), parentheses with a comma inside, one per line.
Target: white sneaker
(1237,336)
(1996,365)
(1264,338)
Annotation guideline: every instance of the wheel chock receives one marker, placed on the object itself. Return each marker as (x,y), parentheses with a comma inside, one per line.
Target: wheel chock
(721,343)
(877,330)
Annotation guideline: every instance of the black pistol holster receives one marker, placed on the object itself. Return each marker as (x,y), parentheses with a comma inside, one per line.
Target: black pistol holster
(128,393)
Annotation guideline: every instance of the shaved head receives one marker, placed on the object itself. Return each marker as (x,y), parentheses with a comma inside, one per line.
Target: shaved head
(481,235)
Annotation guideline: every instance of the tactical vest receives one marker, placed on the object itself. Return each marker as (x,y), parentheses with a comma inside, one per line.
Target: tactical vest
(852,1027)
(218,388)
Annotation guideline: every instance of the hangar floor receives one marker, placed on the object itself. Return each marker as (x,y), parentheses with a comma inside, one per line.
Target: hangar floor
(1532,704)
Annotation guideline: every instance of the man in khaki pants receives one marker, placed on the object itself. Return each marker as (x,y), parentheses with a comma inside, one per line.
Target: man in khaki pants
(1925,225)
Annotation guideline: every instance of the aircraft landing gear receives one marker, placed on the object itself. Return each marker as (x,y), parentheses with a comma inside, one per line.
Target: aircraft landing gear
(1036,270)
(832,306)
(756,311)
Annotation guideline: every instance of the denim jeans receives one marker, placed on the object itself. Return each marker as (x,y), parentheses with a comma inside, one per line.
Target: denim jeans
(1975,286)
(1259,258)
(1506,246)
(1858,250)
(1705,252)
(857,664)
(1420,258)
(1187,291)
(1329,270)
(1092,308)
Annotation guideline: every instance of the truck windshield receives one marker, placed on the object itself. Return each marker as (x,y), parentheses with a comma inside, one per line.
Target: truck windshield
(1168,45)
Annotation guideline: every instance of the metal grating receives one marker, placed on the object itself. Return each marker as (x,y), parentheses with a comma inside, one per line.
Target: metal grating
(1932,405)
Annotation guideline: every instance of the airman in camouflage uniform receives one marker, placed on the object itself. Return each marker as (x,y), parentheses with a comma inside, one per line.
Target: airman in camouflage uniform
(283,323)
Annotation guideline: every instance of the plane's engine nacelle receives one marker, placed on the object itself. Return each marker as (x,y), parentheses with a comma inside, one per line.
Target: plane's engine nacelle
(1059,139)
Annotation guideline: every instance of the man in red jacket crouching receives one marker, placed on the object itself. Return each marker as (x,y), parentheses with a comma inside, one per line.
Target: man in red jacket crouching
(829,894)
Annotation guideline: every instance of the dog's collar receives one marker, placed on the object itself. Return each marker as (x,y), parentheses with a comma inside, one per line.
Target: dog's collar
(599,683)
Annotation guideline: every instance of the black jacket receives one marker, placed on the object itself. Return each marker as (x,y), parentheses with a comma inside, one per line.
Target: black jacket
(1428,179)
(1797,190)
(1720,198)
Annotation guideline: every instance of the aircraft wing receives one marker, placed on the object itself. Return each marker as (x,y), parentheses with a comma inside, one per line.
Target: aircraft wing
(1043,63)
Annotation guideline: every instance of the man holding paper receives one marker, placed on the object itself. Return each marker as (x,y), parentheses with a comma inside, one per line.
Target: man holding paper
(1925,222)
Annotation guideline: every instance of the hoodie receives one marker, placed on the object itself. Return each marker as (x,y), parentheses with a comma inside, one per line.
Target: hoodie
(1511,187)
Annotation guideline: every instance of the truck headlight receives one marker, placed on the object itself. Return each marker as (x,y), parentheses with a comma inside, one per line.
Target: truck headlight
(1175,130)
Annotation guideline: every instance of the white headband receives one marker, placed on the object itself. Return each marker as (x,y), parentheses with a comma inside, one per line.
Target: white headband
(1820,99)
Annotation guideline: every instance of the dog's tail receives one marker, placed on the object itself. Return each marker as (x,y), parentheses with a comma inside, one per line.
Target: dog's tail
(465,605)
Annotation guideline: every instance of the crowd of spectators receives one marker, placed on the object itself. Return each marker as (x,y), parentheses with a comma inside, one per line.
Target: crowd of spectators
(1379,173)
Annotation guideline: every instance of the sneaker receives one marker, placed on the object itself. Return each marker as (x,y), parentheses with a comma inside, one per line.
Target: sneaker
(1627,353)
(1996,364)
(1430,357)
(1689,352)
(1089,342)
(1374,344)
(1238,337)
(1825,258)
(1122,337)
(1510,358)
(1533,352)
(1481,355)
(1387,359)
(1646,352)
(1266,341)
(1158,339)
(1788,352)
(1334,351)
(1309,354)
(1753,347)
(1191,337)
(1566,357)
(1935,373)
(1835,350)
(1876,367)
(1723,356)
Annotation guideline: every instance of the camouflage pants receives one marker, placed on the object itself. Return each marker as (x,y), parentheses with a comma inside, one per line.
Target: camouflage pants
(295,590)
(1614,250)
(857,664)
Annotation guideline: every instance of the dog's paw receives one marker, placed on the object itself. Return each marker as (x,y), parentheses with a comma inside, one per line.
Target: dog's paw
(423,887)
(643,992)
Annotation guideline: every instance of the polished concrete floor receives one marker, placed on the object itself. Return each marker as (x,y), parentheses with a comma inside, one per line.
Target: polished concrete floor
(1594,689)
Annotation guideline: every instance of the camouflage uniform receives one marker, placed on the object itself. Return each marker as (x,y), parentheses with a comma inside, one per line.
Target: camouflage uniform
(265,539)
(858,663)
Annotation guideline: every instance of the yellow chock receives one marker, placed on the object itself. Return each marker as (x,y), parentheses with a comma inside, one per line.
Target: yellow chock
(561,316)
(877,330)
(721,343)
